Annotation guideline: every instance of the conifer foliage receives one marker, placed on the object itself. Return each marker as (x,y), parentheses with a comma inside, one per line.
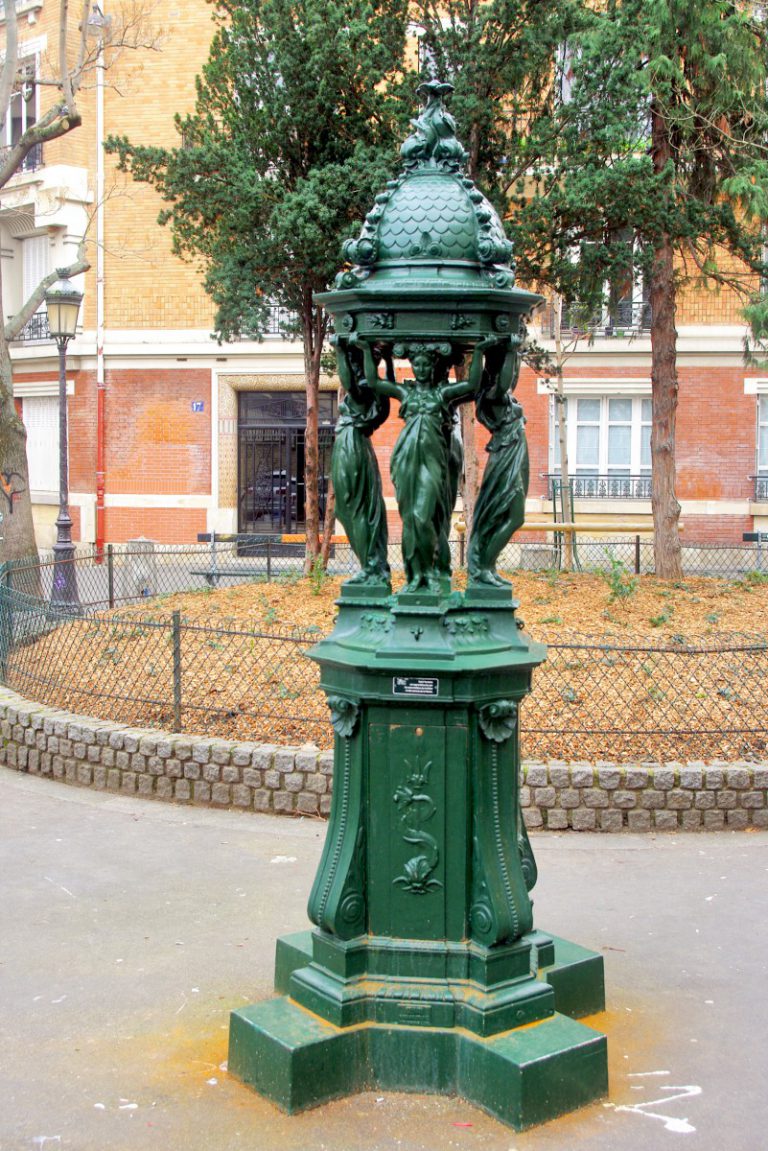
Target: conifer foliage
(296,124)
(658,169)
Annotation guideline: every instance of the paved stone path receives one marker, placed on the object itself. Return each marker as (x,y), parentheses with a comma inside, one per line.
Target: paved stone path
(129,929)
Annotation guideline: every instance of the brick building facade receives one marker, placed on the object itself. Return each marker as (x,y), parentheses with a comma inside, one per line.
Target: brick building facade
(199,435)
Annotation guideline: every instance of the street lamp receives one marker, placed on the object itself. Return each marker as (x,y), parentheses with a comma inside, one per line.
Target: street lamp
(62,301)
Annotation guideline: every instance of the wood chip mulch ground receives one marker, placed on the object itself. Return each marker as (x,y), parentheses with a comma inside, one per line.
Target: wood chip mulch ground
(244,674)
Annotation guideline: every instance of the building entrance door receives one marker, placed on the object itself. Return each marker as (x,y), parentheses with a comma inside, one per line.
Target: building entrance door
(271,464)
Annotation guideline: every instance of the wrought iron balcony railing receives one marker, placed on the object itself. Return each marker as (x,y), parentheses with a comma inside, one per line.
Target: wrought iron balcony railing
(624,316)
(761,488)
(605,487)
(31,162)
(35,330)
(279,319)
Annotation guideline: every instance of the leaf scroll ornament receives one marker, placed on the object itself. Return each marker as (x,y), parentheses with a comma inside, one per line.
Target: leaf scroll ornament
(344,714)
(498,720)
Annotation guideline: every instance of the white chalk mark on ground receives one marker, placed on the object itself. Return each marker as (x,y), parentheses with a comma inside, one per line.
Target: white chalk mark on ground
(72,895)
(283,859)
(671,1123)
(45,1140)
(645,1074)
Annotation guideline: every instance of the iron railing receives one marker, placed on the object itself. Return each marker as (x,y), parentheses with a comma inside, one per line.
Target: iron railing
(619,317)
(279,320)
(619,698)
(604,487)
(35,330)
(760,492)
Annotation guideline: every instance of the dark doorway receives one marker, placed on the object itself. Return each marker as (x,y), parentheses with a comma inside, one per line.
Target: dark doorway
(271,487)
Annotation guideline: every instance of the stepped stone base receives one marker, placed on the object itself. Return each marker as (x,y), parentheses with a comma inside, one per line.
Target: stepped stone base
(523,1076)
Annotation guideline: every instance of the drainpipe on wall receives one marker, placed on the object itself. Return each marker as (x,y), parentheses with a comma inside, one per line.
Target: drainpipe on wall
(97,25)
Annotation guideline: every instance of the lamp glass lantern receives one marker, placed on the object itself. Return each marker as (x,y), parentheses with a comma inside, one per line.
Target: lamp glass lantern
(62,301)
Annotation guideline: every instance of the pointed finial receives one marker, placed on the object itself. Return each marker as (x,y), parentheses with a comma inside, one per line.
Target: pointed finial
(433,144)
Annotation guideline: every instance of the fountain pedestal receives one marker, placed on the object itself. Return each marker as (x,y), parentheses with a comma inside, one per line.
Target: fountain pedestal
(424,971)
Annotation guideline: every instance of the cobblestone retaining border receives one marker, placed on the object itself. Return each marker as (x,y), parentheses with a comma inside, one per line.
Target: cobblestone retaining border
(297,780)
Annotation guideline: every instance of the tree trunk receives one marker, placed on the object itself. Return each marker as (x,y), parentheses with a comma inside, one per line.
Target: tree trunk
(470,477)
(17,531)
(328,524)
(562,433)
(664,385)
(312,351)
(470,481)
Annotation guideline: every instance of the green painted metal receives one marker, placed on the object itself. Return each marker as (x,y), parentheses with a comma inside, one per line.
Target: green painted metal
(523,1077)
(424,971)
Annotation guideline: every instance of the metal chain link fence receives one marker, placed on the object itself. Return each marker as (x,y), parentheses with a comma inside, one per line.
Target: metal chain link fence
(592,700)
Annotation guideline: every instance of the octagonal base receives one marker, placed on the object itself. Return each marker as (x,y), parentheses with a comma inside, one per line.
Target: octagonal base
(522,1077)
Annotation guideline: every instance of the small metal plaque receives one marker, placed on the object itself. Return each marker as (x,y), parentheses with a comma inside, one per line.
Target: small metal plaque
(415,1014)
(415,685)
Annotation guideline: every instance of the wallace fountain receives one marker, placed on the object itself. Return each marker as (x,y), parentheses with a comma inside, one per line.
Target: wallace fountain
(424,971)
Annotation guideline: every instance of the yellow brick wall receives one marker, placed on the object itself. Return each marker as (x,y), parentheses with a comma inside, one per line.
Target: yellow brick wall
(699,303)
(145,285)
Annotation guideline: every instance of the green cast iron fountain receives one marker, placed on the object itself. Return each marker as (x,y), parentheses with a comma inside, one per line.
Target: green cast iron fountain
(424,971)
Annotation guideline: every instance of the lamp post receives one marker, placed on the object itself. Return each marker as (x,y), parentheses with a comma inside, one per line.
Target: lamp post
(62,301)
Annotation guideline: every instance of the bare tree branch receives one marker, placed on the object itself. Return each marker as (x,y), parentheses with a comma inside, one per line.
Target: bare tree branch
(82,51)
(33,302)
(57,121)
(66,83)
(11,61)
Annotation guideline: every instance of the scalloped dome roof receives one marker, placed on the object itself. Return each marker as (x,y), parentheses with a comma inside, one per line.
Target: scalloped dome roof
(433,213)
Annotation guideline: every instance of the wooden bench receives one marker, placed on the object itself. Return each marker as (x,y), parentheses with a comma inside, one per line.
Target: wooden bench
(213,575)
(215,572)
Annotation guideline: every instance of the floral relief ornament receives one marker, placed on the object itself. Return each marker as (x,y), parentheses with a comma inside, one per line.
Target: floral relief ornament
(498,720)
(344,713)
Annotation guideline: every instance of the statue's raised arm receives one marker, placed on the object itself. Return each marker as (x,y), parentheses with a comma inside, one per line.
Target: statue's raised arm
(349,365)
(478,374)
(383,387)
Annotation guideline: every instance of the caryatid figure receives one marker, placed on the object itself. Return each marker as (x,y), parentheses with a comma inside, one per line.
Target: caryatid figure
(354,470)
(422,467)
(500,506)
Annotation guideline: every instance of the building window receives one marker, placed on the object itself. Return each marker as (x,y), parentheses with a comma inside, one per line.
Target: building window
(609,446)
(23,112)
(284,408)
(22,7)
(35,265)
(761,479)
(41,419)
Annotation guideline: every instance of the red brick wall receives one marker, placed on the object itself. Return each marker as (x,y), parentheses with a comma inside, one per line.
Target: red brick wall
(164,525)
(81,416)
(714,529)
(155,443)
(716,431)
